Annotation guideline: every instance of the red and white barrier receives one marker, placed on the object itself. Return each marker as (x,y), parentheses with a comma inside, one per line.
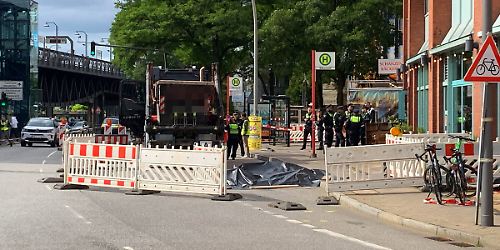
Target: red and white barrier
(101,165)
(111,139)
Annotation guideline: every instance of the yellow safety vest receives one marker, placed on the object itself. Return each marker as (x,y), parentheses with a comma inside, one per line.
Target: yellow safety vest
(233,129)
(245,130)
(355,118)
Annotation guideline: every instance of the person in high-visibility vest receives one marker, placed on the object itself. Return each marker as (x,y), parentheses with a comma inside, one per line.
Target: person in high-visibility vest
(245,133)
(4,128)
(233,131)
(353,128)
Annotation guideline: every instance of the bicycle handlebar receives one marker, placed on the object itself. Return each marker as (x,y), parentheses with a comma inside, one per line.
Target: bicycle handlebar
(461,138)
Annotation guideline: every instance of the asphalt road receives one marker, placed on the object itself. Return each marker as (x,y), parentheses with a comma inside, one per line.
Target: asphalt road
(35,216)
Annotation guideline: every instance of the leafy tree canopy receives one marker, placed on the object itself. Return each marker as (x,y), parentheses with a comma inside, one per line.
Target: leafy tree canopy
(203,31)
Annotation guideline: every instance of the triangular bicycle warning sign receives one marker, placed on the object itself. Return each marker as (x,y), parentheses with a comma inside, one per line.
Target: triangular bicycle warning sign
(486,65)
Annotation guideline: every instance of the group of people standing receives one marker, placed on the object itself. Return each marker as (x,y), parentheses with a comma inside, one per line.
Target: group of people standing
(347,126)
(238,131)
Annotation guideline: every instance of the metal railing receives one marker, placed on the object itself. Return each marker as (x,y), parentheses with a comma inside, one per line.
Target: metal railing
(79,64)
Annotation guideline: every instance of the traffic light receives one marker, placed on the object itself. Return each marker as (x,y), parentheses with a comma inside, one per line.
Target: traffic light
(92,48)
(3,100)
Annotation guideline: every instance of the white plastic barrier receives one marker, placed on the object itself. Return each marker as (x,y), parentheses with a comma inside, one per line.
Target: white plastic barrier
(201,170)
(430,138)
(374,166)
(101,165)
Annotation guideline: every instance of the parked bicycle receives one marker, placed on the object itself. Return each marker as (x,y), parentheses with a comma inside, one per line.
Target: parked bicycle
(458,169)
(433,171)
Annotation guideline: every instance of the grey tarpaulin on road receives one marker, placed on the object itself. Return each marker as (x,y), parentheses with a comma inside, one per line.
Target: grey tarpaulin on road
(272,173)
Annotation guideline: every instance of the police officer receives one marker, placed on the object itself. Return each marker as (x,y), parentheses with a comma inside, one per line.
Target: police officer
(329,124)
(353,128)
(240,137)
(365,119)
(321,129)
(348,113)
(339,120)
(234,134)
(307,127)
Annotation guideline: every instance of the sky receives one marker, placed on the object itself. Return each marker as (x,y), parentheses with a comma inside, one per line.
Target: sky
(92,16)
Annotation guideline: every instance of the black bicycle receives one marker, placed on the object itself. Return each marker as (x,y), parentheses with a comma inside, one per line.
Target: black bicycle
(432,172)
(458,167)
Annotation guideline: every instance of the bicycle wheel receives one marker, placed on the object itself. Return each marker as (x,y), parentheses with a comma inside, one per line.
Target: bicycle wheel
(480,69)
(459,188)
(495,70)
(436,184)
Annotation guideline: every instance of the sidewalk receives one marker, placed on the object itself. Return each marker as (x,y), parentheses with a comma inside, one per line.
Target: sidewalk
(404,206)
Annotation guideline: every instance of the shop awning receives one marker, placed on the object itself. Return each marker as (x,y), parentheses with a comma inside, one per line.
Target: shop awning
(496,26)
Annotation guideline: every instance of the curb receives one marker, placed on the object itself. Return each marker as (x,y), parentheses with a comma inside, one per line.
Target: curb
(411,223)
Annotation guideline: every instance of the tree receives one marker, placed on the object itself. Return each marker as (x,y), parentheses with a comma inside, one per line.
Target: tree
(356,30)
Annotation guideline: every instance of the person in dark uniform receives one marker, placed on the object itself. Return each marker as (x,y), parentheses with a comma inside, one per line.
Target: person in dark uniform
(329,124)
(307,127)
(320,128)
(365,119)
(353,128)
(240,121)
(371,112)
(348,113)
(233,130)
(339,119)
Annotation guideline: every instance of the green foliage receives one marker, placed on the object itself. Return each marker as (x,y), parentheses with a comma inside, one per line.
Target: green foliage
(200,32)
(421,130)
(78,107)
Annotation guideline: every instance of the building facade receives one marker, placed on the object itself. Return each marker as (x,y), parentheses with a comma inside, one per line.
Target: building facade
(19,50)
(434,36)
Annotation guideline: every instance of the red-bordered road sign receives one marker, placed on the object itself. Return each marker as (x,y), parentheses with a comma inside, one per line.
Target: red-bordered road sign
(486,65)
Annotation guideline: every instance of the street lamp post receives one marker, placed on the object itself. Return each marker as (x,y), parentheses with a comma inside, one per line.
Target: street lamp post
(86,37)
(255,58)
(47,24)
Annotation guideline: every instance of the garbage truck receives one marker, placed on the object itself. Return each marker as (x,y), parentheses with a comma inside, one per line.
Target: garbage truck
(183,108)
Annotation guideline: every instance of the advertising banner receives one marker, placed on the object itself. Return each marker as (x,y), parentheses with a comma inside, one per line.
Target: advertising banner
(255,126)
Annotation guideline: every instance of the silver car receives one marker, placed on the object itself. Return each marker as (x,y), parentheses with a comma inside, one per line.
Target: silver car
(40,130)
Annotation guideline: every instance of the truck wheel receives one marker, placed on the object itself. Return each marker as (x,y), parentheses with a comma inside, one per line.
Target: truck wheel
(23,144)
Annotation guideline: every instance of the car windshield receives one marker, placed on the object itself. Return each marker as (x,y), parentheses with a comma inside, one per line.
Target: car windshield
(41,123)
(113,120)
(79,125)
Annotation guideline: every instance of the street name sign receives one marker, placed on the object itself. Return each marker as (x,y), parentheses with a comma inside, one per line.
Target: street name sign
(325,60)
(13,89)
(486,65)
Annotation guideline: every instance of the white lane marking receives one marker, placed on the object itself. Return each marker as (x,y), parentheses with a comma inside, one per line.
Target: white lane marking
(43,162)
(77,214)
(294,221)
(48,156)
(267,212)
(308,225)
(256,208)
(280,216)
(41,170)
(351,239)
(246,204)
(48,187)
(128,248)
